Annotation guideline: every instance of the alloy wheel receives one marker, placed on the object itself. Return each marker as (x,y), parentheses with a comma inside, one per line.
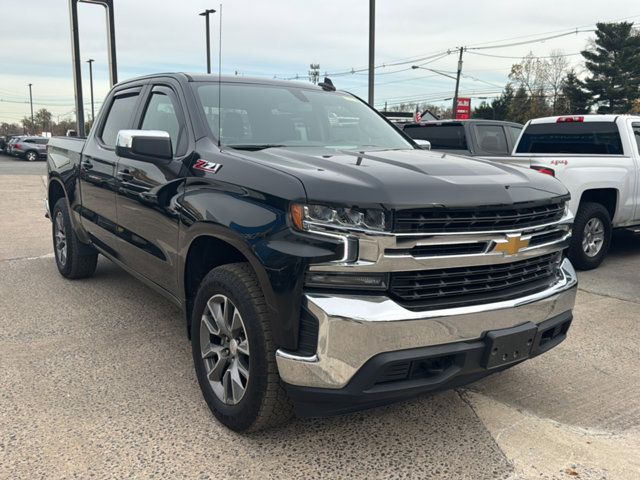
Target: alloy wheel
(593,237)
(225,349)
(32,156)
(60,238)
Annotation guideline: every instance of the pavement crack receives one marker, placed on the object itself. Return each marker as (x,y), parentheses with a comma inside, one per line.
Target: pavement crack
(462,395)
(13,259)
(613,297)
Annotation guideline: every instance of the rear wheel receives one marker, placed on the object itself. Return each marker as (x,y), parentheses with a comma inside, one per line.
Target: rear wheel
(591,236)
(233,351)
(74,259)
(31,156)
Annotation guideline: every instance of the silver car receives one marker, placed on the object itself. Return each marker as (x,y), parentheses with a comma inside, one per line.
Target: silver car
(30,148)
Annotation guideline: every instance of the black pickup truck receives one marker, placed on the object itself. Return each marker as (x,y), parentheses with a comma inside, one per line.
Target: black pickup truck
(489,139)
(323,261)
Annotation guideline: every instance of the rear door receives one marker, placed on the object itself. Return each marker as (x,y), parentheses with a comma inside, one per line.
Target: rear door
(491,140)
(147,191)
(97,170)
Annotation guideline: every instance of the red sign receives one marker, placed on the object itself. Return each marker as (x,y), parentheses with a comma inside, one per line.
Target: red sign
(463,111)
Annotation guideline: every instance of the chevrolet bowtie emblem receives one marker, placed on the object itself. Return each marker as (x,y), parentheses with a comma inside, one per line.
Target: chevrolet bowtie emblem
(511,245)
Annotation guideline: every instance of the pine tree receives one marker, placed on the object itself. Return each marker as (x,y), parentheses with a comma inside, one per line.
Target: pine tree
(575,100)
(614,64)
(520,106)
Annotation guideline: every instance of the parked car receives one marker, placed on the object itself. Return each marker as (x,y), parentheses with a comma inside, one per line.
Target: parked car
(473,138)
(597,158)
(329,265)
(11,140)
(30,148)
(3,143)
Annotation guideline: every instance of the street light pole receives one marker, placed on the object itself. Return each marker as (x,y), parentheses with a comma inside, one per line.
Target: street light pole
(93,111)
(206,14)
(372,45)
(455,96)
(31,103)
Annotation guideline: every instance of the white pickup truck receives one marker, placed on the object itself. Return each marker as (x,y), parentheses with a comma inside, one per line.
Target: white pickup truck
(597,157)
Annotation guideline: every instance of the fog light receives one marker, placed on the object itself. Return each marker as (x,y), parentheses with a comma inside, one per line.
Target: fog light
(353,281)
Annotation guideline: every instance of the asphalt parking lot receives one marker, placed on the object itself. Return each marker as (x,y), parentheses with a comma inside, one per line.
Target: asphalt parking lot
(96,380)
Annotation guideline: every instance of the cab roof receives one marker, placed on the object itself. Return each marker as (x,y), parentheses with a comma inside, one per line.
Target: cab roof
(584,118)
(199,77)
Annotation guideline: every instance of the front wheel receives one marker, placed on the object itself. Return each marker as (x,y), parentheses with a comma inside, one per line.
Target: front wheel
(233,351)
(591,236)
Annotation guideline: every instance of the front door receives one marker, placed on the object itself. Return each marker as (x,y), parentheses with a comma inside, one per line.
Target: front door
(97,170)
(146,199)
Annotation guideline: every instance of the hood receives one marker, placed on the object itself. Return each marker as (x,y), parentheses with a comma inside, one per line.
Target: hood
(405,178)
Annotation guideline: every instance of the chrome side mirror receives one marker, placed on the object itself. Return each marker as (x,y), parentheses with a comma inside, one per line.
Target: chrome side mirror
(144,145)
(423,144)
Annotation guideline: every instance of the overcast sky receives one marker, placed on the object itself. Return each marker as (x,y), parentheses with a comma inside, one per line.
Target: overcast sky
(281,37)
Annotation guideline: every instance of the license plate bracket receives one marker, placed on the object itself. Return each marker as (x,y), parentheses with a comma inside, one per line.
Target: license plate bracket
(508,345)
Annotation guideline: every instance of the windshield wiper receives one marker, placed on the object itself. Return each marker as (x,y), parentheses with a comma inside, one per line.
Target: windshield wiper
(255,147)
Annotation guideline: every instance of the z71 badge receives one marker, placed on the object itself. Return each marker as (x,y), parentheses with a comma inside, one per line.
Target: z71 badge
(207,166)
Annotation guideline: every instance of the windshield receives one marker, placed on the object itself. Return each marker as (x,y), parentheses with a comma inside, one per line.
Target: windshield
(260,116)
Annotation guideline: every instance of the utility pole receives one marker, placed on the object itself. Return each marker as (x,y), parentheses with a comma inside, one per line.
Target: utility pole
(93,111)
(206,14)
(314,73)
(455,96)
(372,45)
(31,102)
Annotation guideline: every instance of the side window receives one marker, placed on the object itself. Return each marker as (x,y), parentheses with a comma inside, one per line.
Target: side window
(161,114)
(515,133)
(636,134)
(492,139)
(118,118)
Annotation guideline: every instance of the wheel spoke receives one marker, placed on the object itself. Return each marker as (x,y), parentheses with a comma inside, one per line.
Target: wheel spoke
(242,370)
(227,393)
(218,307)
(219,369)
(236,321)
(208,326)
(243,347)
(212,350)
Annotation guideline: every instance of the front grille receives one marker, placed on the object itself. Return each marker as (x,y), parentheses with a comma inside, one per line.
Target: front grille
(458,287)
(450,220)
(548,237)
(440,250)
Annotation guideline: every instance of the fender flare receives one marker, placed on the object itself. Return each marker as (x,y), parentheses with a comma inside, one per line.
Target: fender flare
(235,240)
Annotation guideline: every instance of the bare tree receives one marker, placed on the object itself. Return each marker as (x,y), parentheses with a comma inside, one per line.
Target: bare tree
(531,73)
(557,68)
(532,76)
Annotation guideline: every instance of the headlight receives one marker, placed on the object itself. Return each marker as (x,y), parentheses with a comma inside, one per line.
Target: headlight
(303,216)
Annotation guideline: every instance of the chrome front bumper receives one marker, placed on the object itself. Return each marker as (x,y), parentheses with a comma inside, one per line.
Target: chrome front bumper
(354,329)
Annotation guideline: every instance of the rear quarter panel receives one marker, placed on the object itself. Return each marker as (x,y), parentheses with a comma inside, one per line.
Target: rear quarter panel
(63,159)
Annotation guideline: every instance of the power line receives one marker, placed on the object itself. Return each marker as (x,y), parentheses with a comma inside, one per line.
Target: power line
(521,56)
(526,42)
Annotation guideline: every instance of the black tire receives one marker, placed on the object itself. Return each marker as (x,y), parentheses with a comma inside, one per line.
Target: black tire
(587,212)
(80,260)
(264,403)
(31,156)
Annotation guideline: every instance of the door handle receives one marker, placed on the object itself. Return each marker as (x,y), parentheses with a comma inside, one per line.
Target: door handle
(124,175)
(86,164)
